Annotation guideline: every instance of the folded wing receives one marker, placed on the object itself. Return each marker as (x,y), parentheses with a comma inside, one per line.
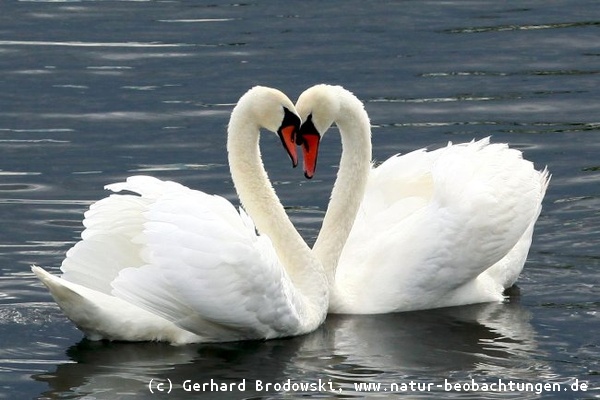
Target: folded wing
(432,222)
(188,257)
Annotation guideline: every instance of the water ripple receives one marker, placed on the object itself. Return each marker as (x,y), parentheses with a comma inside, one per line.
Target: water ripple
(559,72)
(175,167)
(432,99)
(17,173)
(97,44)
(524,27)
(512,127)
(121,115)
(187,21)
(46,201)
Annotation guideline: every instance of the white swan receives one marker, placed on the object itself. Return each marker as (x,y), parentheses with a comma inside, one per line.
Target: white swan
(178,265)
(432,229)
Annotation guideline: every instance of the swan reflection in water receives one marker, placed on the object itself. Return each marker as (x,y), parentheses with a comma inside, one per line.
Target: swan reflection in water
(493,340)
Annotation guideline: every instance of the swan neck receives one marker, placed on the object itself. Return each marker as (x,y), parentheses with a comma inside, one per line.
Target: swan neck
(350,185)
(260,201)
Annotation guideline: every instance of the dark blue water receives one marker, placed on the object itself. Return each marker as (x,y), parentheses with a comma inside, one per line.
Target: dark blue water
(94,91)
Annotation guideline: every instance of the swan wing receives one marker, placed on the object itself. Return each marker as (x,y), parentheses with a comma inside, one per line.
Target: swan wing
(92,264)
(107,244)
(204,267)
(507,270)
(432,222)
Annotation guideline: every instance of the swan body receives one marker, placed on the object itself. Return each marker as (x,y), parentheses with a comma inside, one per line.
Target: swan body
(423,230)
(159,261)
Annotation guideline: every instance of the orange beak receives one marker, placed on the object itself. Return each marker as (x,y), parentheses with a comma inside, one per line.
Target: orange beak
(288,139)
(309,138)
(310,149)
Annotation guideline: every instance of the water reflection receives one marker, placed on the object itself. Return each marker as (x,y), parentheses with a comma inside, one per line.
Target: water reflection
(100,90)
(491,340)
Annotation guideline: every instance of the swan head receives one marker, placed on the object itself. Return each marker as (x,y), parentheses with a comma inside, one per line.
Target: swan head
(318,107)
(270,109)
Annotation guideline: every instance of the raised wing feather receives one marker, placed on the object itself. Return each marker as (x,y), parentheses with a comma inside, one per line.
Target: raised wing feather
(205,268)
(107,244)
(432,222)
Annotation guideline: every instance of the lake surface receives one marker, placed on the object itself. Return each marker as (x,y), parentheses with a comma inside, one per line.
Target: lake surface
(94,91)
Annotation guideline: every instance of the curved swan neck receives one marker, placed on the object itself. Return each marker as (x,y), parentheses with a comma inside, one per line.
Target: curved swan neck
(350,185)
(261,202)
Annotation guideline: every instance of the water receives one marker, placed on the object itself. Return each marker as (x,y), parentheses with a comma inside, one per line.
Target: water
(94,91)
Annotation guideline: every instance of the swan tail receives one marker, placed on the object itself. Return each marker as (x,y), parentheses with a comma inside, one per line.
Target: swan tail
(506,271)
(100,316)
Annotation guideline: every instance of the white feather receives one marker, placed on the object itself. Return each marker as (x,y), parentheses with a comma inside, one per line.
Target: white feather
(424,230)
(204,263)
(164,262)
(431,222)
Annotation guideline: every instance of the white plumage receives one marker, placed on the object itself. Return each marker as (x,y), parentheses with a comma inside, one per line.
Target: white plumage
(164,262)
(432,228)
